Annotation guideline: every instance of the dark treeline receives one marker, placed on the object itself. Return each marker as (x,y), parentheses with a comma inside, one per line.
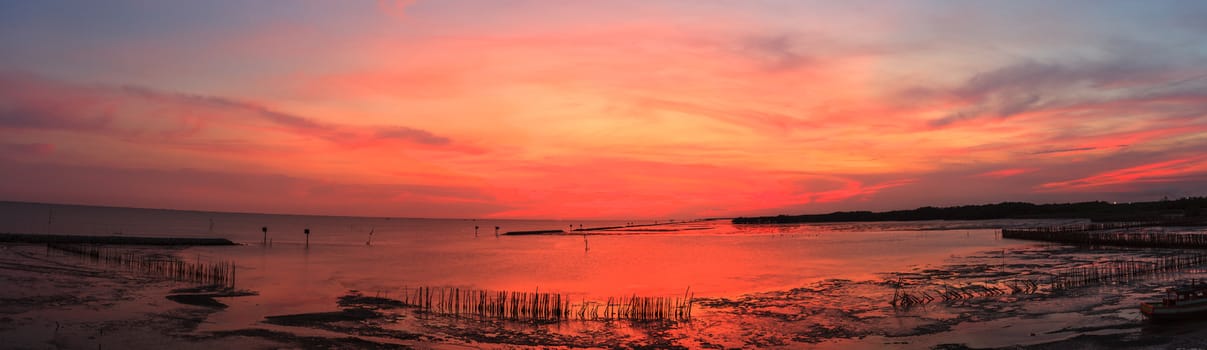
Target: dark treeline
(1190,209)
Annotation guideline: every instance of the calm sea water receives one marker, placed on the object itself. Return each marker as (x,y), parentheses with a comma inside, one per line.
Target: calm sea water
(712,258)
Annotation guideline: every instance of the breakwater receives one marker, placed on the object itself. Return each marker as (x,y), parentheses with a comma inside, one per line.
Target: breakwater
(1110,234)
(1122,271)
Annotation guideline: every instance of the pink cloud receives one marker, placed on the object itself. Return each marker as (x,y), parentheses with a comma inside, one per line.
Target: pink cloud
(1165,171)
(997,174)
(139,113)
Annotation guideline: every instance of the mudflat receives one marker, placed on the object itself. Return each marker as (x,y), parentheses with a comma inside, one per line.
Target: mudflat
(49,303)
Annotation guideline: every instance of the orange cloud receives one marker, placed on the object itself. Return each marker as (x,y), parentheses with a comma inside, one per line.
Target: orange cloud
(579,109)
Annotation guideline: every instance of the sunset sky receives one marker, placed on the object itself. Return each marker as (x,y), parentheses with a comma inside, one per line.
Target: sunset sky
(600,109)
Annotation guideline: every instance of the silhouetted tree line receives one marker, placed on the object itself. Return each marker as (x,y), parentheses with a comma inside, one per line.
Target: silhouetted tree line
(1188,209)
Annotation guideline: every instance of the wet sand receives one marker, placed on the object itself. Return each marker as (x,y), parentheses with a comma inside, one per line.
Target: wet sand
(47,302)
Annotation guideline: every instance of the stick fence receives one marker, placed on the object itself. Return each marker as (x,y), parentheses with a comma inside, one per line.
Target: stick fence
(539,306)
(211,273)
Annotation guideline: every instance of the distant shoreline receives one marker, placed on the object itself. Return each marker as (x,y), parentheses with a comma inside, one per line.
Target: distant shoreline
(120,240)
(1188,210)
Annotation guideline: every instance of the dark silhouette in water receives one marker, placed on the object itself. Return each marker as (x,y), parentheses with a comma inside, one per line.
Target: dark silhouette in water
(496,231)
(370,241)
(307,232)
(265,230)
(475,230)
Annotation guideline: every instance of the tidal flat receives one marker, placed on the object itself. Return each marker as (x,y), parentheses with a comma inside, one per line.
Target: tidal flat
(824,286)
(72,305)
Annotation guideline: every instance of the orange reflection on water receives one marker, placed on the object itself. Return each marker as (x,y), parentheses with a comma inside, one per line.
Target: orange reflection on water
(713,259)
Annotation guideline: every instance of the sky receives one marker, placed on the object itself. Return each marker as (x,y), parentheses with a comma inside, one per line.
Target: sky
(600,109)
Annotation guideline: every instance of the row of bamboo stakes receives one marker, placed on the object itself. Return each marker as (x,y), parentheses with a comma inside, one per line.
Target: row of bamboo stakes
(1093,226)
(1089,234)
(540,306)
(220,273)
(1100,272)
(1123,270)
(1130,239)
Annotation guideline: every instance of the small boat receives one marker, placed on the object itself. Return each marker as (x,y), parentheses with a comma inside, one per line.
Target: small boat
(1179,303)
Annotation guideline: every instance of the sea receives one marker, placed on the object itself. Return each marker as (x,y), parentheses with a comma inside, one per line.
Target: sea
(712,257)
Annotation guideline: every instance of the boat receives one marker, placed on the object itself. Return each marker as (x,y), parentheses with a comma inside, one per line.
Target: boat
(1179,303)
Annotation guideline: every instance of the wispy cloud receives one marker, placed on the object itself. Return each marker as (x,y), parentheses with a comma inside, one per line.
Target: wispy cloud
(776,52)
(1162,80)
(1063,150)
(1193,168)
(395,8)
(23,149)
(413,135)
(1003,173)
(141,113)
(234,190)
